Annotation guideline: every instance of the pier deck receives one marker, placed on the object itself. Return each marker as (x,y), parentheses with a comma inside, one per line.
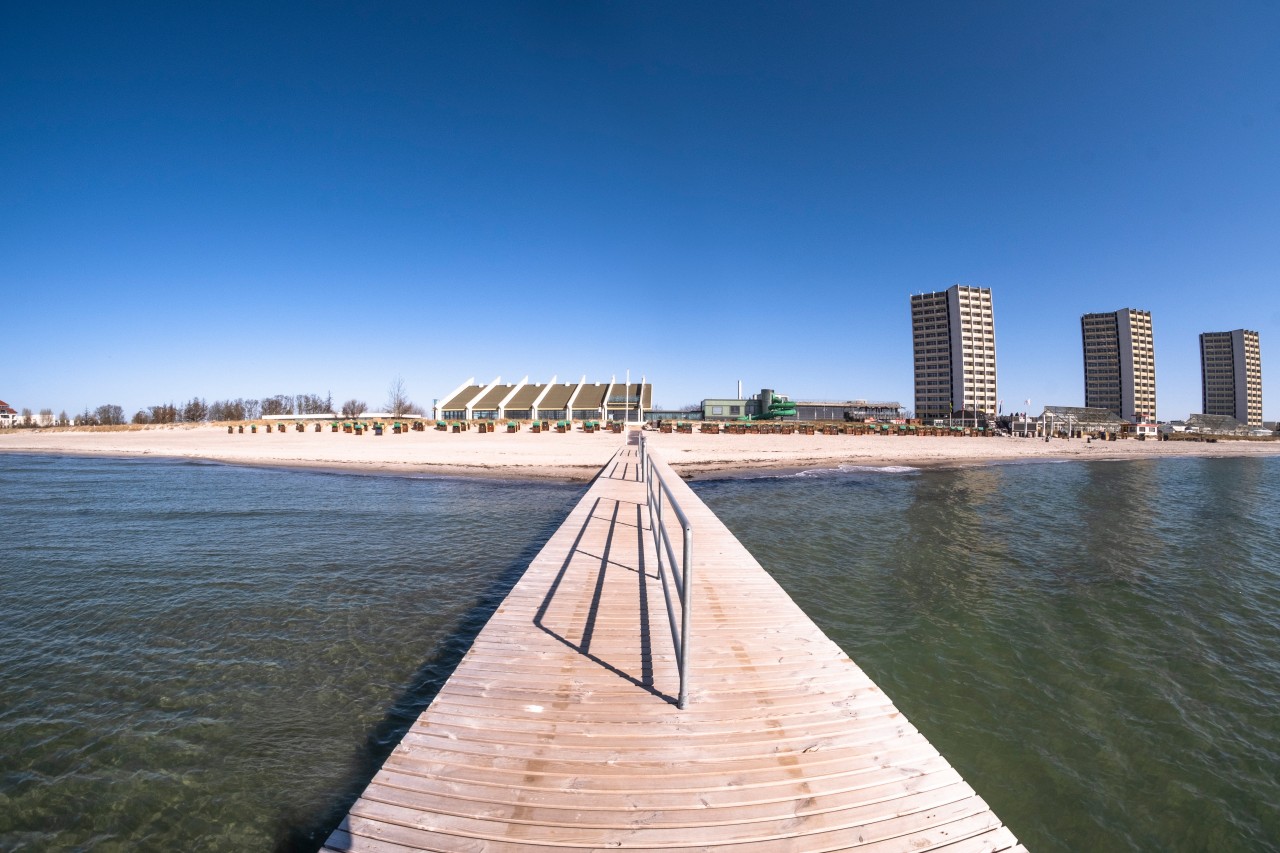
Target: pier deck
(559,731)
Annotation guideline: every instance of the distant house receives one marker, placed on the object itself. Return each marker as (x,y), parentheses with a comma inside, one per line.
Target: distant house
(8,416)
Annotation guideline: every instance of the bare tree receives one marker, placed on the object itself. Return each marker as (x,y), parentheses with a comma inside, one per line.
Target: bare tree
(195,410)
(227,410)
(109,414)
(63,420)
(313,404)
(27,418)
(141,417)
(354,408)
(165,413)
(280,404)
(46,417)
(277,405)
(398,402)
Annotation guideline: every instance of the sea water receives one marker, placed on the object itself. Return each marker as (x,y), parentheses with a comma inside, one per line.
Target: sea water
(204,657)
(1094,646)
(197,656)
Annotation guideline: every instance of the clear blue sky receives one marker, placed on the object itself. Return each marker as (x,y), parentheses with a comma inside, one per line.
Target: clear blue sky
(247,199)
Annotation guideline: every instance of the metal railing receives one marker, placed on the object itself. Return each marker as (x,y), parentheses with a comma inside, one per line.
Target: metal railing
(659,497)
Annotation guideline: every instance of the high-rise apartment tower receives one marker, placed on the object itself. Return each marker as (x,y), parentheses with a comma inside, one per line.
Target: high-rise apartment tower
(954,338)
(1120,364)
(1231,375)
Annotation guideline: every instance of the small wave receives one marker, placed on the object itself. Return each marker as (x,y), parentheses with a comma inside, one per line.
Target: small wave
(813,473)
(857,469)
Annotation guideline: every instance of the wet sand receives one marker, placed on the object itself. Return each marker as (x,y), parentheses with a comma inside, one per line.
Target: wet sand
(578,456)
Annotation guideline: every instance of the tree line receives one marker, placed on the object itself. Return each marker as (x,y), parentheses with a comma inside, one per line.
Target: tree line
(197,410)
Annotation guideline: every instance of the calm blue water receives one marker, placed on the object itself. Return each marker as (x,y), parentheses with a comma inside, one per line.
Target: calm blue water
(199,656)
(1095,646)
(203,657)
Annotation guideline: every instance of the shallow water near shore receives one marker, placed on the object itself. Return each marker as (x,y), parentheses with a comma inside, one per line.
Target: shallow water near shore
(1095,646)
(202,656)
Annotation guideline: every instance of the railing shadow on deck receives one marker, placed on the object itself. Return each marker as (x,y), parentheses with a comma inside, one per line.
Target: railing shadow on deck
(645,679)
(625,467)
(307,832)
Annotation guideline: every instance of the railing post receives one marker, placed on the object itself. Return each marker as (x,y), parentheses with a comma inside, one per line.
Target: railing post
(686,599)
(662,530)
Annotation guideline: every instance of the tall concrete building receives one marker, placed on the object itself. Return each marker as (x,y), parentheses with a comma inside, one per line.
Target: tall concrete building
(1120,364)
(1231,375)
(954,338)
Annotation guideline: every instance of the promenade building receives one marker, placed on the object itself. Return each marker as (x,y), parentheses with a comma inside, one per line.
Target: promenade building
(954,341)
(758,406)
(523,400)
(1231,375)
(1120,364)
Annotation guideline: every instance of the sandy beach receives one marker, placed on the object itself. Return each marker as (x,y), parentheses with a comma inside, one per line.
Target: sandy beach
(578,456)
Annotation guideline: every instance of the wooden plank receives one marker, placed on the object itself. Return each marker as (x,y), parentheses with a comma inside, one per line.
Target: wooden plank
(558,731)
(676,805)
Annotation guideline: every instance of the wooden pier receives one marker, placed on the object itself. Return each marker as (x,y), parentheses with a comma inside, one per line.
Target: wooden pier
(559,729)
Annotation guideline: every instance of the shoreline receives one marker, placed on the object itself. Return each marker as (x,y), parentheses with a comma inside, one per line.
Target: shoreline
(564,475)
(577,457)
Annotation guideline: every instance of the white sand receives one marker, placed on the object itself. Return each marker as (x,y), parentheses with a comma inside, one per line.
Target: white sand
(704,454)
(578,456)
(572,456)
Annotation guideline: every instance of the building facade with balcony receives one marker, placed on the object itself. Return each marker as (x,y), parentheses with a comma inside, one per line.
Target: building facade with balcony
(954,346)
(1120,364)
(1231,375)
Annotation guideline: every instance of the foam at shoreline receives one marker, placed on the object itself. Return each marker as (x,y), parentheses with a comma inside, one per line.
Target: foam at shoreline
(576,457)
